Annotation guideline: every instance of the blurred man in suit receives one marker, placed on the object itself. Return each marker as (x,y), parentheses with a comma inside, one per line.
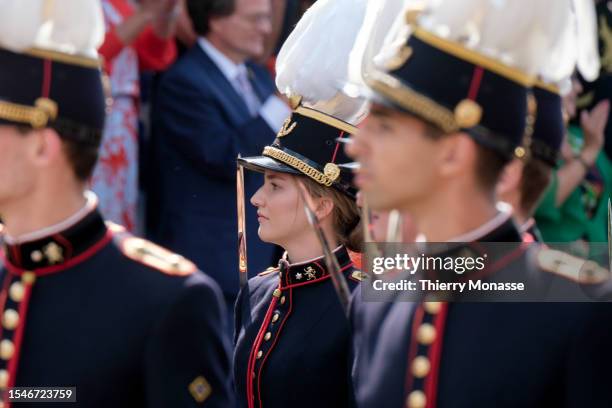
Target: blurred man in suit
(211,106)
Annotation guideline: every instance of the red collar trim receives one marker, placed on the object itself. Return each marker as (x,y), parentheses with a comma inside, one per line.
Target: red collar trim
(15,270)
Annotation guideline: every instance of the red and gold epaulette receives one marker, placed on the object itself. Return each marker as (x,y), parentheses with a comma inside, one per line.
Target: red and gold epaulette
(570,267)
(268,271)
(150,254)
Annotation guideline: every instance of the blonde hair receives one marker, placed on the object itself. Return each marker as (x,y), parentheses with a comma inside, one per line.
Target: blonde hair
(345,215)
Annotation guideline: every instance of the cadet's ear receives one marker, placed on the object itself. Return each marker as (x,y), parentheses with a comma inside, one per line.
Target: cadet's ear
(457,154)
(325,206)
(510,180)
(45,147)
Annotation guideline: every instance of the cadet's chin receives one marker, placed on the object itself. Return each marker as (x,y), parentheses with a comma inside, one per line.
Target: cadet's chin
(263,233)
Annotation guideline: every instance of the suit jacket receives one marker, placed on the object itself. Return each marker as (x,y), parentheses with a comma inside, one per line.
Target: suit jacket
(202,124)
(477,355)
(124,321)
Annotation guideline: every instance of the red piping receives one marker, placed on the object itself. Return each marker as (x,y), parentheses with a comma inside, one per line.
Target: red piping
(435,352)
(14,362)
(416,323)
(69,263)
(280,327)
(4,295)
(475,84)
(66,243)
(46,85)
(256,344)
(333,160)
(295,285)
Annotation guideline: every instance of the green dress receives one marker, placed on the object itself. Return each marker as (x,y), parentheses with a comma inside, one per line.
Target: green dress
(583,216)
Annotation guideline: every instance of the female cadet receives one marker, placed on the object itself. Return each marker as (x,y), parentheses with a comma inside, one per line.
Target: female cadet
(292,338)
(292,341)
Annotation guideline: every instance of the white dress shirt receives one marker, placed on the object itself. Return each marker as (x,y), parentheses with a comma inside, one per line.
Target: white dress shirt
(273,111)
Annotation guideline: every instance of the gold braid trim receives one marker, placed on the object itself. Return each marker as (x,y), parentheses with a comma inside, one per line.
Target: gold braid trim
(37,116)
(64,58)
(298,164)
(421,105)
(547,87)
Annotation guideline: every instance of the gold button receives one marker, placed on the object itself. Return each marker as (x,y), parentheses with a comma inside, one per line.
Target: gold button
(10,319)
(259,354)
(28,277)
(274,317)
(416,399)
(4,377)
(36,256)
(432,307)
(16,291)
(426,334)
(7,349)
(276,293)
(267,336)
(282,300)
(420,366)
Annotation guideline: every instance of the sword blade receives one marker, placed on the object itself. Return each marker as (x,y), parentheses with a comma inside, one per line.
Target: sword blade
(242,247)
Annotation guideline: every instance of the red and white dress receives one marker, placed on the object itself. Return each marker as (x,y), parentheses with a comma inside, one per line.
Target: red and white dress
(115,179)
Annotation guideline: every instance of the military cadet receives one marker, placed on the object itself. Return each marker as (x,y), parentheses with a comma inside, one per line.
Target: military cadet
(292,341)
(525,179)
(85,304)
(448,115)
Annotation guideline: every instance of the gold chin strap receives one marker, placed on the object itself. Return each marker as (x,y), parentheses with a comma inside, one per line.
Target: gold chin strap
(37,116)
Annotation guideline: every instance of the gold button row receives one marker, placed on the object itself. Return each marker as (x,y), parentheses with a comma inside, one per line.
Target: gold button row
(7,349)
(420,367)
(426,334)
(17,291)
(432,307)
(4,379)
(10,319)
(416,399)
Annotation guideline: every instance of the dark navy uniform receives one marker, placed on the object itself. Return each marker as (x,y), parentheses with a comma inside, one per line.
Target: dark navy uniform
(436,354)
(292,337)
(125,321)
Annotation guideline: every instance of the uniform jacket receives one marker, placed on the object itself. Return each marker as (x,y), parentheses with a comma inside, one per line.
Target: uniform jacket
(126,322)
(292,338)
(202,124)
(477,355)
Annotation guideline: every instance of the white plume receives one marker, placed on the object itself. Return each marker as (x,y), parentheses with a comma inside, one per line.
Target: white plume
(523,34)
(69,26)
(380,22)
(313,62)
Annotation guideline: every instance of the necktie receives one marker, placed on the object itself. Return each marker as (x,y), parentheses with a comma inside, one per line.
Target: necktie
(247,92)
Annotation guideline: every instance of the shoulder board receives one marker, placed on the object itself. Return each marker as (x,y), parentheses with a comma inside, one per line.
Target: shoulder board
(358,275)
(268,271)
(150,254)
(571,267)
